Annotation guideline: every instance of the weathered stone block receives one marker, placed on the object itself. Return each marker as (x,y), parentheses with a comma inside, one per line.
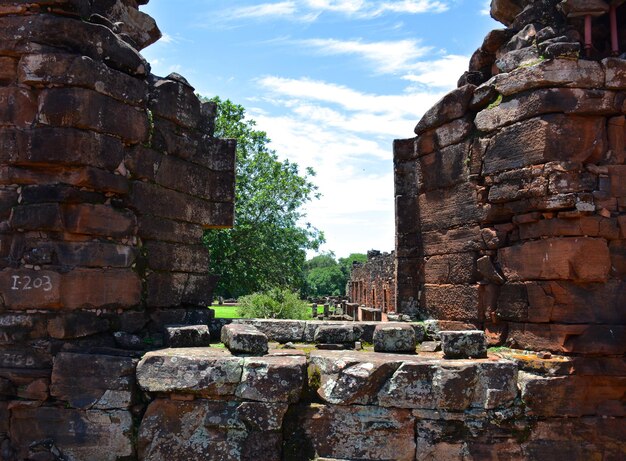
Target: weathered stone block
(207,371)
(282,331)
(545,101)
(165,230)
(80,71)
(446,208)
(563,302)
(194,180)
(214,431)
(92,288)
(451,302)
(174,289)
(86,109)
(8,70)
(560,338)
(18,107)
(154,200)
(94,381)
(581,259)
(330,431)
(395,337)
(618,258)
(403,150)
(175,101)
(450,107)
(272,379)
(615,70)
(547,138)
(443,168)
(458,240)
(26,289)
(164,256)
(451,269)
(335,334)
(244,339)
(349,378)
(63,146)
(187,336)
(565,73)
(96,41)
(77,325)
(94,434)
(464,344)
(590,226)
(573,396)
(98,220)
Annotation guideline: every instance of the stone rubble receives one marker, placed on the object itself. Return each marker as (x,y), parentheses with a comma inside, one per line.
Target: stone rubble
(244,339)
(464,344)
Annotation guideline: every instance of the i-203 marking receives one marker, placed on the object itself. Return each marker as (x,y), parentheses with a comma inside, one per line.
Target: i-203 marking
(25,282)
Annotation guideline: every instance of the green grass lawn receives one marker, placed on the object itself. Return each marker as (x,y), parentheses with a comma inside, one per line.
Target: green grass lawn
(225,312)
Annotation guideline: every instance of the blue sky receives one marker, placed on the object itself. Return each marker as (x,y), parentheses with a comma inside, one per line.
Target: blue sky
(332,82)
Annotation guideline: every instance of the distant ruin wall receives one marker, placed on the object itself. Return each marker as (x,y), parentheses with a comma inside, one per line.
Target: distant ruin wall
(510,202)
(108,176)
(372,283)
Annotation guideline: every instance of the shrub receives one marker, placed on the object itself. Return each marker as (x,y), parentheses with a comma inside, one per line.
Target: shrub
(273,304)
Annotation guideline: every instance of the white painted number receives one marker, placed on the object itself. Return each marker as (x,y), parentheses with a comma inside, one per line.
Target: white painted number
(28,283)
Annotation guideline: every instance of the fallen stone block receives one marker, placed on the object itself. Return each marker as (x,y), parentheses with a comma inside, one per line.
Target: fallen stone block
(187,336)
(244,339)
(394,337)
(282,331)
(335,334)
(464,344)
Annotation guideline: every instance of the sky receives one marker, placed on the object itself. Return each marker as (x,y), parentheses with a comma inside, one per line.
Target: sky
(332,82)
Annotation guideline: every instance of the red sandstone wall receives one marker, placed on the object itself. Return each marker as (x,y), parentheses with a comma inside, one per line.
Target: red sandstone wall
(108,176)
(511,206)
(373,283)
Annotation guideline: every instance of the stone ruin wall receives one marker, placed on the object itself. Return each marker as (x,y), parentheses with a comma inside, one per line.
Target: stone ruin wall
(511,204)
(372,284)
(109,176)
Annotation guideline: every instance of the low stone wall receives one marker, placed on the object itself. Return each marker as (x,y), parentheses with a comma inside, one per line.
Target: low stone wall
(207,404)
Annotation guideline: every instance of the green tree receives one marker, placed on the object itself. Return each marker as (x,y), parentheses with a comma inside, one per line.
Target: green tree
(346,263)
(267,246)
(325,276)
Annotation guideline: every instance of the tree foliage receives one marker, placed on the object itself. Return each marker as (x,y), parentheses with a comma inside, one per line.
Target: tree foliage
(267,246)
(325,276)
(274,304)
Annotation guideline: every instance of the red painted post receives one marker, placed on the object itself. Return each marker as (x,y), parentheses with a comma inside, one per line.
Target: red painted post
(614,36)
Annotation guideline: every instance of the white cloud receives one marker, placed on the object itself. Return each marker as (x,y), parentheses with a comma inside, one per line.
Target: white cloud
(442,73)
(310,10)
(387,56)
(414,6)
(265,9)
(346,136)
(486,9)
(167,38)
